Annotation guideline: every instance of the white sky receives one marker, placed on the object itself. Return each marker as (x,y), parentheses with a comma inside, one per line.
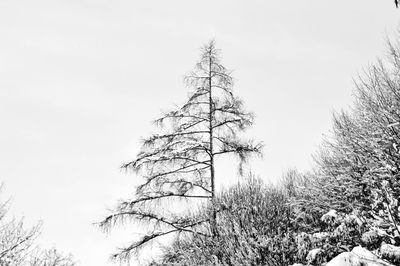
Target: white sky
(80,81)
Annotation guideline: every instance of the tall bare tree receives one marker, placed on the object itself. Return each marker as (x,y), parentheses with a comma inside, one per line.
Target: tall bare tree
(178,163)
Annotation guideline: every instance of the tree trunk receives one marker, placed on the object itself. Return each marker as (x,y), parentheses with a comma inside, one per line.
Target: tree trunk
(212,171)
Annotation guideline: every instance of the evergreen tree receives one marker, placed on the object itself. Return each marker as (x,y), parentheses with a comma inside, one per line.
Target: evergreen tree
(359,169)
(178,163)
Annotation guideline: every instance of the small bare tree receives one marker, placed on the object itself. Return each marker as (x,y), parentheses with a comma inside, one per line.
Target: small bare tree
(16,241)
(18,245)
(51,257)
(179,162)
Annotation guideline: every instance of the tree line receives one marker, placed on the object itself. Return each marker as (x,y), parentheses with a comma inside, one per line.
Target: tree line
(349,199)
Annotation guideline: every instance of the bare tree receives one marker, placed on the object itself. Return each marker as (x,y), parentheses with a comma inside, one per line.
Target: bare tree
(16,241)
(178,163)
(18,245)
(51,257)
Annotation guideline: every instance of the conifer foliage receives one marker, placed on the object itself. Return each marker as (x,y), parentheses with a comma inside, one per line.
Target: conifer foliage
(178,163)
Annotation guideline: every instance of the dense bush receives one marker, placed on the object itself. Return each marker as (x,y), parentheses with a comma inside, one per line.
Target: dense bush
(253,228)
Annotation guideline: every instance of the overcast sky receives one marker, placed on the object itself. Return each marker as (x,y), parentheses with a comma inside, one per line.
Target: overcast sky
(80,81)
